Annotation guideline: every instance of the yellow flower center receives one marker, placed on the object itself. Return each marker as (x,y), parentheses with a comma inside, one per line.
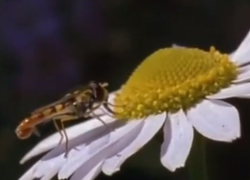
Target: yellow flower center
(172,79)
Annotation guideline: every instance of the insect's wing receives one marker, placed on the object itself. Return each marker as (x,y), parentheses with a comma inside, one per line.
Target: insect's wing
(71,94)
(48,106)
(77,90)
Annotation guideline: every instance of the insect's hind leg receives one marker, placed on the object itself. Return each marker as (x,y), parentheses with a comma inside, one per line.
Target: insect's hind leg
(58,129)
(62,118)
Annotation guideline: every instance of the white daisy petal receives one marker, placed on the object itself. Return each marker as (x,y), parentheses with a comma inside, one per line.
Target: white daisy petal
(178,138)
(150,127)
(247,96)
(93,172)
(96,145)
(215,120)
(83,139)
(49,175)
(72,132)
(88,173)
(90,159)
(119,139)
(232,91)
(243,77)
(177,46)
(232,54)
(243,74)
(244,68)
(53,165)
(74,162)
(49,167)
(241,55)
(29,175)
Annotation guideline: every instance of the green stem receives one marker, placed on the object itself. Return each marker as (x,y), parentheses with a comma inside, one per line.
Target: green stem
(197,159)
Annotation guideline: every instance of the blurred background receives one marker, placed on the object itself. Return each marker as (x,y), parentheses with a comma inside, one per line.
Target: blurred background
(48,47)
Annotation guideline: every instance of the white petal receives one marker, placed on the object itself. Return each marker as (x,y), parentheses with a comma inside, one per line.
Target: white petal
(242,77)
(88,160)
(232,54)
(74,162)
(88,173)
(247,96)
(84,139)
(49,167)
(47,172)
(216,120)
(232,91)
(29,175)
(72,132)
(94,146)
(244,68)
(242,54)
(150,127)
(178,138)
(177,46)
(115,146)
(93,172)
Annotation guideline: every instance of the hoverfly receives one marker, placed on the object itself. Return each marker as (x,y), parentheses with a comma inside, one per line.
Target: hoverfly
(80,103)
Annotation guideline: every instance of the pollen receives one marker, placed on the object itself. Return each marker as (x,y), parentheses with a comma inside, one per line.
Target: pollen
(171,79)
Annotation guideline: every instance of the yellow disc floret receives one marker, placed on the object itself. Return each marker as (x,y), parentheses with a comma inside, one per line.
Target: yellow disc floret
(172,79)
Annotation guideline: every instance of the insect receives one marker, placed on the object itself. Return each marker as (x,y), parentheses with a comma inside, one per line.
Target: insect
(80,103)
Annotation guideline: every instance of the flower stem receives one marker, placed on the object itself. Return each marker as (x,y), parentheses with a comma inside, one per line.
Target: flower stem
(197,159)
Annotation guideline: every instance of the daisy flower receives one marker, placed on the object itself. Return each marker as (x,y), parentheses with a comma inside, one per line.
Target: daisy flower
(176,89)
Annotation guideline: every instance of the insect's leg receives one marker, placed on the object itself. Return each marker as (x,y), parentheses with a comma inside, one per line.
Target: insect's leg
(108,114)
(66,138)
(62,118)
(102,121)
(105,105)
(36,132)
(94,115)
(92,110)
(58,129)
(105,102)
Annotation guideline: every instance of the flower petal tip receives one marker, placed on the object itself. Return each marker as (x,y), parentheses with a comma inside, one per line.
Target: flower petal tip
(241,55)
(110,172)
(24,159)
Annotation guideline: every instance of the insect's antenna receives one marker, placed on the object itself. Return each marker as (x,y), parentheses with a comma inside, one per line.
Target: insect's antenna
(104,85)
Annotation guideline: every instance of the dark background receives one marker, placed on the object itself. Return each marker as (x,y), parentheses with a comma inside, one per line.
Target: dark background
(49,46)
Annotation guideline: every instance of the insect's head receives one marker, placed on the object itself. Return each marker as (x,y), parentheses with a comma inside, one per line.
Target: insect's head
(94,84)
(98,89)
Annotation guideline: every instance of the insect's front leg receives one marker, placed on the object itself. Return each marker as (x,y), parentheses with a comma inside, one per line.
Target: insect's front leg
(91,110)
